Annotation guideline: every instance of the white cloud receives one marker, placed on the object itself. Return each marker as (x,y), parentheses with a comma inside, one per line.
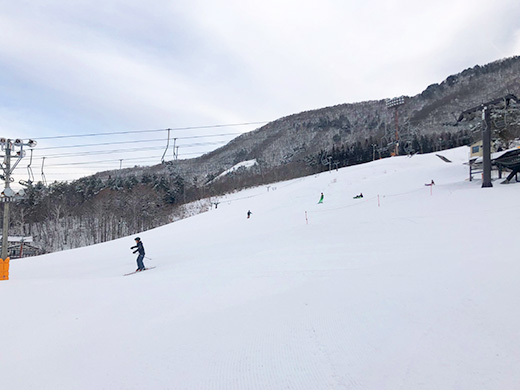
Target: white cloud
(90,65)
(107,74)
(330,52)
(514,49)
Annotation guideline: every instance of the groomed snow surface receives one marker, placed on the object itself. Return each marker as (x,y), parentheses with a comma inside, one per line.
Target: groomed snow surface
(410,287)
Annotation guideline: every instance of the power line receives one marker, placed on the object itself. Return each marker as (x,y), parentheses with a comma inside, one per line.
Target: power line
(150,131)
(102,161)
(100,148)
(150,158)
(134,141)
(95,152)
(97,166)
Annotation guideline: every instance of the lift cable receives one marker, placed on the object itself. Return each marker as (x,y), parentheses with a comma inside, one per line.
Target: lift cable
(95,152)
(131,142)
(150,131)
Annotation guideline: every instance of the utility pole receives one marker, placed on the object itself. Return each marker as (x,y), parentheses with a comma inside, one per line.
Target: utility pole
(7,192)
(11,150)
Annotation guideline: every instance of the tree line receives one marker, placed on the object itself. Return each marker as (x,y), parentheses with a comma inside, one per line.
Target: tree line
(92,210)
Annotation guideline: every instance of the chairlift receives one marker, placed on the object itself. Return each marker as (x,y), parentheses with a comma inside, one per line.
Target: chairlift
(44,181)
(29,171)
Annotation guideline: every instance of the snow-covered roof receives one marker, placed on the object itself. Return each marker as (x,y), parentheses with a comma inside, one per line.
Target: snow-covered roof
(496,155)
(19,239)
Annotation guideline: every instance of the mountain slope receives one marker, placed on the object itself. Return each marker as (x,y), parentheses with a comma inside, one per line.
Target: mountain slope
(96,208)
(410,287)
(433,114)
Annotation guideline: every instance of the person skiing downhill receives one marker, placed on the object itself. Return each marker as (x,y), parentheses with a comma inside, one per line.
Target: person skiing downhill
(140,257)
(321,199)
(249,214)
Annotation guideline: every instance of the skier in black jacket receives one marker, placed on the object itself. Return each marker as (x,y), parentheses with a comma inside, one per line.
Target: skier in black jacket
(140,249)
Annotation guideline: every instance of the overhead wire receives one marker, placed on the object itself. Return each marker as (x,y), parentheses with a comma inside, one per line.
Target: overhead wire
(149,158)
(109,167)
(94,152)
(133,141)
(102,161)
(150,131)
(99,150)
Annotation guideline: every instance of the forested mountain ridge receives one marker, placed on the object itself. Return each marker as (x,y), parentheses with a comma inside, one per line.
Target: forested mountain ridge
(112,204)
(432,114)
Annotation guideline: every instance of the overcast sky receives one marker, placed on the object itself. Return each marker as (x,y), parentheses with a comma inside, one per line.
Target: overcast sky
(87,67)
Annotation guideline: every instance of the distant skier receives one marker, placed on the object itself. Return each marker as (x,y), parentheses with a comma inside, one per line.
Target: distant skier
(359,196)
(321,199)
(432,183)
(140,257)
(249,213)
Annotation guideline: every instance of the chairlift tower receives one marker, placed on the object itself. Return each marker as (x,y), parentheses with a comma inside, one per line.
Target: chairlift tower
(486,148)
(394,104)
(10,150)
(327,160)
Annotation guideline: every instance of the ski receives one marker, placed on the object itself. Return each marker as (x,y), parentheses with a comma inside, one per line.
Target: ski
(136,272)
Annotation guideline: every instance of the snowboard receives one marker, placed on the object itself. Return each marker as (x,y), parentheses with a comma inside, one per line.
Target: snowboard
(136,272)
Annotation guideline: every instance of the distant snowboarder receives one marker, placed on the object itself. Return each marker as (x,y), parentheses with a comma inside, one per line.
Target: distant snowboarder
(321,199)
(249,213)
(359,196)
(140,257)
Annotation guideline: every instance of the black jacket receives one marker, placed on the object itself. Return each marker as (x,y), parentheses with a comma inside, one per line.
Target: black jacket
(139,247)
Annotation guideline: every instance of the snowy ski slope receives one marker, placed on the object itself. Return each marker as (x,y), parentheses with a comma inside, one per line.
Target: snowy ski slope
(410,287)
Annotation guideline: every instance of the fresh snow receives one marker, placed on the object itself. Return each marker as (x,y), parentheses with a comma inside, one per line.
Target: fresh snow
(411,287)
(242,164)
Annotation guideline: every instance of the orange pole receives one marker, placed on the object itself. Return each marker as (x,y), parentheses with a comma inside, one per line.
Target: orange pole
(4,269)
